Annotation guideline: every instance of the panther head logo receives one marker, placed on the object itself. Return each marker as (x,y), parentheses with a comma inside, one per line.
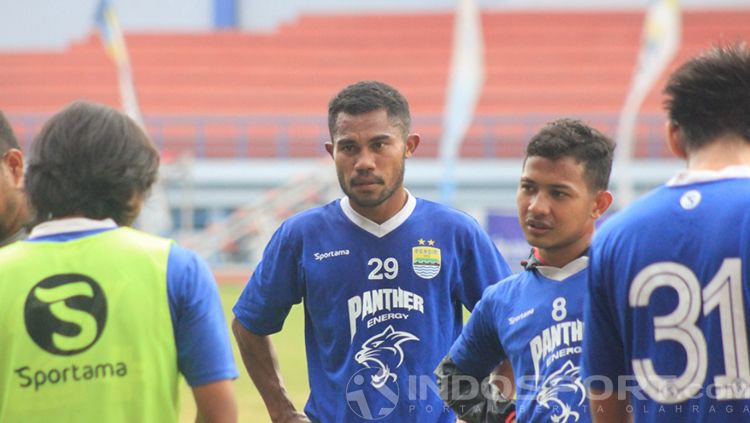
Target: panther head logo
(566,379)
(383,351)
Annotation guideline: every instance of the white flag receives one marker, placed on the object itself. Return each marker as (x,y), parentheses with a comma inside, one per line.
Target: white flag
(660,41)
(464,87)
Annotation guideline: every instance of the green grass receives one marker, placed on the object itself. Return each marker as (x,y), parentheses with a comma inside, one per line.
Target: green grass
(290,346)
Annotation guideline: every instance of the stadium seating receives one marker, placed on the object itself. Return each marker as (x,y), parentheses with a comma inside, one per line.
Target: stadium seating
(234,94)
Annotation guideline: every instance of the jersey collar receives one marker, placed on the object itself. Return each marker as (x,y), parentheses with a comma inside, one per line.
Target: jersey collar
(386,227)
(72,224)
(534,262)
(686,177)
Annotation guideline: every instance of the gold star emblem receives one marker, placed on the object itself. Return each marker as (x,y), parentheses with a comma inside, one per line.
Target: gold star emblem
(431,242)
(421,242)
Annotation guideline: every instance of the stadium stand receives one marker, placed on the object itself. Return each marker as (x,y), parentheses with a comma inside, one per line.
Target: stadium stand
(234,94)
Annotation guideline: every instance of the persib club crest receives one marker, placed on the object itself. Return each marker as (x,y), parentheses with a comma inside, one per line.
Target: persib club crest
(425,259)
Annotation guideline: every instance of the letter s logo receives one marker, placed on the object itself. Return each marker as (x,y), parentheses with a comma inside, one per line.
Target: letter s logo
(65,314)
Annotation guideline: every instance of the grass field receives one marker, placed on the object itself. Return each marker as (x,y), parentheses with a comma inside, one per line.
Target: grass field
(290,347)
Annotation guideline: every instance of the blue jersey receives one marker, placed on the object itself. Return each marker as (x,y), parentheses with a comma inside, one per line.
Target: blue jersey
(204,354)
(535,320)
(382,303)
(668,312)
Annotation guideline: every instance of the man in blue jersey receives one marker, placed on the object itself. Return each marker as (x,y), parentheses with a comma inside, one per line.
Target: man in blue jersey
(534,319)
(14,212)
(382,275)
(97,320)
(667,318)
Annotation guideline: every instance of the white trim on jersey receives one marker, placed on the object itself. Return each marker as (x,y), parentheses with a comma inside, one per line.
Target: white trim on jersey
(561,273)
(72,224)
(388,226)
(687,177)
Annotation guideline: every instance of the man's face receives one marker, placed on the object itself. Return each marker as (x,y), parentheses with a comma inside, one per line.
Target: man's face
(12,198)
(556,209)
(369,151)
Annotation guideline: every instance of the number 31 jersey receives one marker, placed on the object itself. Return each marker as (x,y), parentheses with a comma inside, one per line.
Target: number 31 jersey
(383,303)
(669,297)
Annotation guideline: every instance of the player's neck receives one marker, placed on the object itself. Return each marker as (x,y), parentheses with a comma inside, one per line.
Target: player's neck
(723,152)
(560,257)
(386,210)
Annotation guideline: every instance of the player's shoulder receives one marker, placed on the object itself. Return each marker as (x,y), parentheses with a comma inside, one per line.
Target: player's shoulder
(313,217)
(506,289)
(443,215)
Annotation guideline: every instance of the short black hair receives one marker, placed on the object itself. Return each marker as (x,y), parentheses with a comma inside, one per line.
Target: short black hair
(573,138)
(367,96)
(90,160)
(709,96)
(8,139)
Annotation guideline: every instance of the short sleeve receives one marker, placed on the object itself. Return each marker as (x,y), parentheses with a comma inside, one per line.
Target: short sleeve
(204,353)
(482,265)
(603,355)
(275,286)
(477,350)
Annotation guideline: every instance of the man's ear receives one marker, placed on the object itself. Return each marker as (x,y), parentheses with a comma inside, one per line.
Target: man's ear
(13,161)
(602,201)
(412,142)
(674,140)
(329,148)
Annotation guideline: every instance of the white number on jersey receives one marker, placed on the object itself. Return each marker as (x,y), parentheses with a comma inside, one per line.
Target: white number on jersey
(387,268)
(723,291)
(559,312)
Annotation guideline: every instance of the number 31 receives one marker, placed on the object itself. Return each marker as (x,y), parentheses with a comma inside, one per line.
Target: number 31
(723,291)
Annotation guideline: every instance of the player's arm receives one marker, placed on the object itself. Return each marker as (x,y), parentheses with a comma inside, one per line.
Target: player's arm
(473,400)
(215,402)
(262,365)
(463,376)
(204,354)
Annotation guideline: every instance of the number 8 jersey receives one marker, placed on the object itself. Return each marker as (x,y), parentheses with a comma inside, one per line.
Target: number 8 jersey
(667,316)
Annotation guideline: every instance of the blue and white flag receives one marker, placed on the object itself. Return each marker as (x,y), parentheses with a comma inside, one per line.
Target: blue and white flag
(660,41)
(114,42)
(464,88)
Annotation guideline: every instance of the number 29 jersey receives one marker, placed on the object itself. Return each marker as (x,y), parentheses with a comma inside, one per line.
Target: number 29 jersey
(383,303)
(667,315)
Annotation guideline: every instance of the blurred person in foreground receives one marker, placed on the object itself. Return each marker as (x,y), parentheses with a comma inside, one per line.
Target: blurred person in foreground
(97,320)
(534,319)
(14,211)
(382,275)
(667,318)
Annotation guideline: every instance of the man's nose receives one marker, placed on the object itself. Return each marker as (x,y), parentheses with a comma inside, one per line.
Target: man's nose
(539,204)
(365,161)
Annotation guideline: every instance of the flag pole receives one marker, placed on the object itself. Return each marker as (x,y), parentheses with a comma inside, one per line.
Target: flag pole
(464,88)
(660,41)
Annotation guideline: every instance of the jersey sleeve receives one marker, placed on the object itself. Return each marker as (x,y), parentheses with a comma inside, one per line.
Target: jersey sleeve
(275,286)
(204,353)
(477,350)
(603,356)
(482,265)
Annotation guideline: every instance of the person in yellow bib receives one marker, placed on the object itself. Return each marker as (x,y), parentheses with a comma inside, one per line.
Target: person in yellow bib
(98,320)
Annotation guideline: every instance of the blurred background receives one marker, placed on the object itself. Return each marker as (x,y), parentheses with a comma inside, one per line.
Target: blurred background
(235,92)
